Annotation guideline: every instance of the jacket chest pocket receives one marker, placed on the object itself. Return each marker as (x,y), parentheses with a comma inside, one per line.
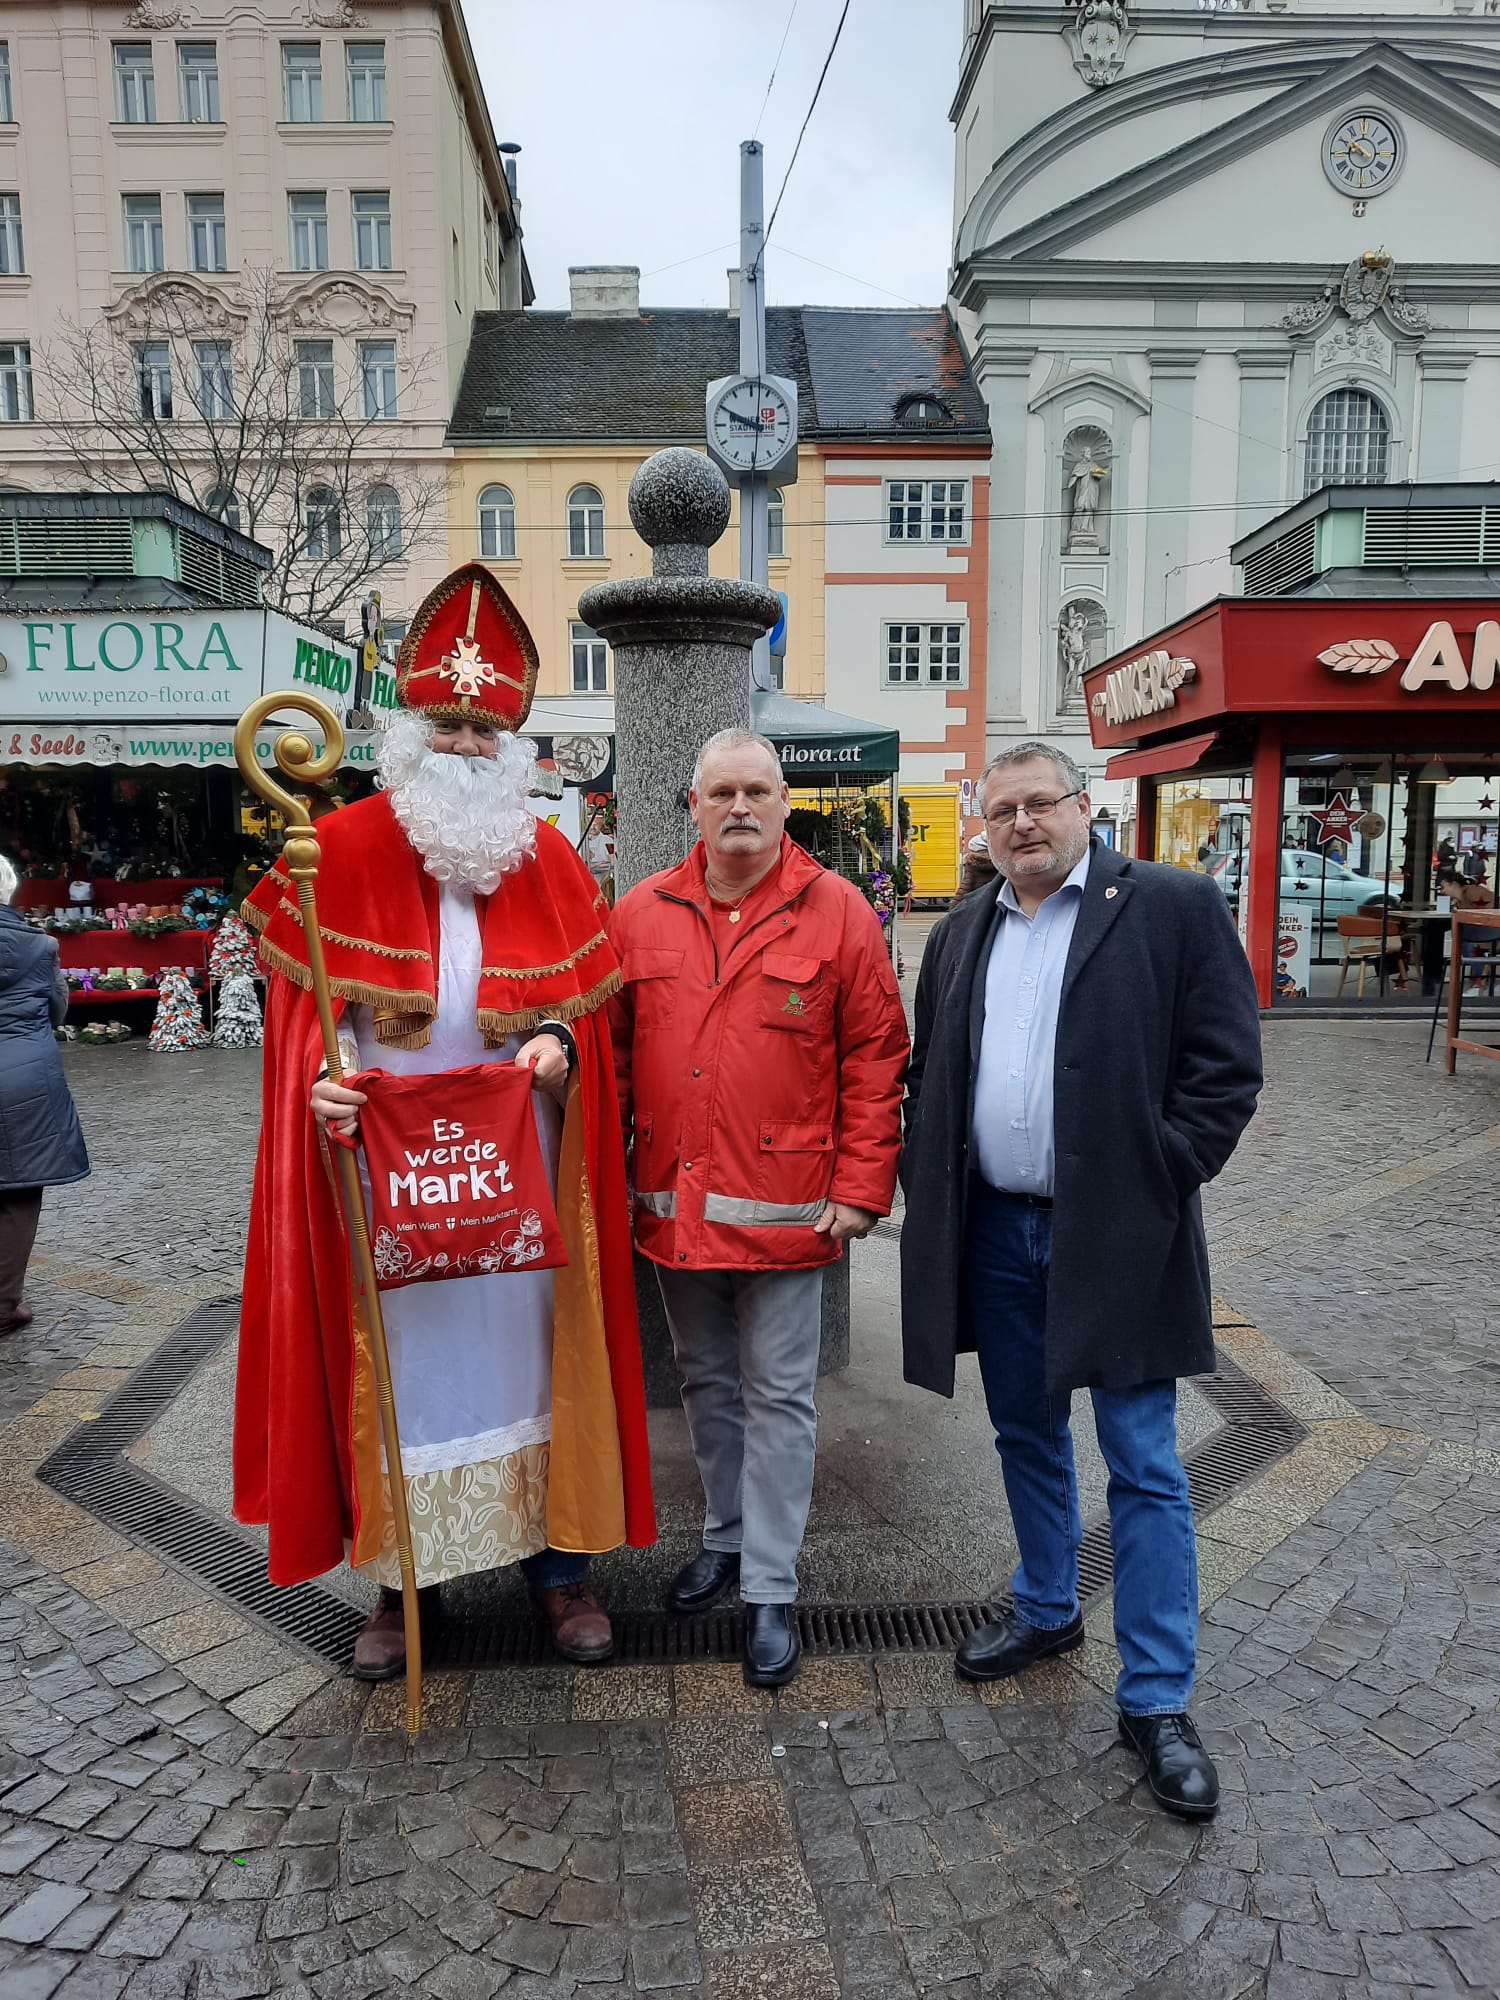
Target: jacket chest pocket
(795,994)
(650,974)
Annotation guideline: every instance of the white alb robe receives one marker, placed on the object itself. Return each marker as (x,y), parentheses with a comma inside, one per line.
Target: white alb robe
(471,1358)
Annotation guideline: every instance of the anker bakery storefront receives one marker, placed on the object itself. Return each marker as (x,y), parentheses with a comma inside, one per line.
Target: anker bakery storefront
(1320,759)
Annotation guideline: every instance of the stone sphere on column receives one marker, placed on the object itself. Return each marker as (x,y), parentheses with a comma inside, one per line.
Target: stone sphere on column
(679,499)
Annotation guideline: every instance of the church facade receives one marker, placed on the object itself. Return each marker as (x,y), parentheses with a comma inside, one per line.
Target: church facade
(1210,256)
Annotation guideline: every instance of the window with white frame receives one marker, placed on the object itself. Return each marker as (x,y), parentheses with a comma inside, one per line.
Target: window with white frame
(135,84)
(365,66)
(215,359)
(497,524)
(585,521)
(302,78)
(16,406)
(153,374)
(926,510)
(372,230)
(322,523)
(208,233)
(395,631)
(377,376)
(776,526)
(145,245)
(315,379)
(1348,442)
(487,242)
(590,660)
(309,218)
(926,655)
(12,243)
(7,102)
(383,523)
(198,82)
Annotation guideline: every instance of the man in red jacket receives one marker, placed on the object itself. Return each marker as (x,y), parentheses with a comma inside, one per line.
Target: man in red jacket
(760,1052)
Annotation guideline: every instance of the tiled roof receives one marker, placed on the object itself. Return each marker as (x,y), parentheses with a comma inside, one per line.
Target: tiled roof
(548,377)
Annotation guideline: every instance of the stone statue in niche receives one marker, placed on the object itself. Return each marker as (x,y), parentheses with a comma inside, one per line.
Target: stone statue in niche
(1085,487)
(1078,629)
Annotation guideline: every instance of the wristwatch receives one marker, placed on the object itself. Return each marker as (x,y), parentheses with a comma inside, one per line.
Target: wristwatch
(564,1035)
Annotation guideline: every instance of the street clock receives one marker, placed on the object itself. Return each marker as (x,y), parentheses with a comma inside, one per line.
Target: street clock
(752,427)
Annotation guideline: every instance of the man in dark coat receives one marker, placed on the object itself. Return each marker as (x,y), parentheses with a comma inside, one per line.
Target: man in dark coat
(1087,1055)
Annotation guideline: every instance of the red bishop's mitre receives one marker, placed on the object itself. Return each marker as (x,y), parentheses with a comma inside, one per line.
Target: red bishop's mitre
(468,655)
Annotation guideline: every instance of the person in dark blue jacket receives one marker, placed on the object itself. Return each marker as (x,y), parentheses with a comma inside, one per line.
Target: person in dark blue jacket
(41,1145)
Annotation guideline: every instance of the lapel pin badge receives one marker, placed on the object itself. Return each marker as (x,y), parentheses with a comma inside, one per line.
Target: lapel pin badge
(1110,894)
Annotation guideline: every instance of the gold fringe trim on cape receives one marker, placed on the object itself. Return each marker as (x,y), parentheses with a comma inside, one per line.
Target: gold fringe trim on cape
(406,1004)
(499,1026)
(358,943)
(542,971)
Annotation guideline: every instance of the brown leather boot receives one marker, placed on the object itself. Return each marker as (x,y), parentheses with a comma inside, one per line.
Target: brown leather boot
(580,1629)
(380,1649)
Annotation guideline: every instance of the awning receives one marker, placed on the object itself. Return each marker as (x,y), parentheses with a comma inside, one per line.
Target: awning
(814,742)
(1179,756)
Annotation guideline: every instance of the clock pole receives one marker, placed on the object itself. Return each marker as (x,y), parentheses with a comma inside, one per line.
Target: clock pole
(755,486)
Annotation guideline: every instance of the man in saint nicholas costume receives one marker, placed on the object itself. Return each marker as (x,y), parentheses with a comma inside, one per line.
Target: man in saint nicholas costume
(458,929)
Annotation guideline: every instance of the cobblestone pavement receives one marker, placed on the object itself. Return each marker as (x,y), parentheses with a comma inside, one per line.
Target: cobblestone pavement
(878,1830)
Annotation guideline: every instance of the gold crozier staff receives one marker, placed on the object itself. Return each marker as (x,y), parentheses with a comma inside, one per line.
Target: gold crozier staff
(296,759)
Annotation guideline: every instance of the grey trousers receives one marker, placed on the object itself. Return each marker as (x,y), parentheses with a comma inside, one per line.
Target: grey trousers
(747,1351)
(20,1212)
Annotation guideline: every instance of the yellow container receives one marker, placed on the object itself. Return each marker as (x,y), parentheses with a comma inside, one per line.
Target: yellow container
(936,841)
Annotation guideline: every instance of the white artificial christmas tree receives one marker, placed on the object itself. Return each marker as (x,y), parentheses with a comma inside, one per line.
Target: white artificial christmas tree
(237,1023)
(179,1015)
(233,950)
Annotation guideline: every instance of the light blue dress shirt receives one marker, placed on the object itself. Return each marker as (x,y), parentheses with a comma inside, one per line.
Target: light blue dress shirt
(1013,1136)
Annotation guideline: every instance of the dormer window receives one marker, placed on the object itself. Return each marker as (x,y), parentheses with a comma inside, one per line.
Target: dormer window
(917,412)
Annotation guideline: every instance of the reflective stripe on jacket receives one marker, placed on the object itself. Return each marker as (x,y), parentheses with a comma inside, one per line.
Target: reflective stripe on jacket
(762,1084)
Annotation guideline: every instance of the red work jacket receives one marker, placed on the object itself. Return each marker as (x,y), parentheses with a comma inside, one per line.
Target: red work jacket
(760,1069)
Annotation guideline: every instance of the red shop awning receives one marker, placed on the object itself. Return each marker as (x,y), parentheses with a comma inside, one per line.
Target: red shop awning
(1179,756)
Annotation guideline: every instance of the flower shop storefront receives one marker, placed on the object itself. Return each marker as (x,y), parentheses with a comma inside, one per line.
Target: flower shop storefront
(117,738)
(1323,761)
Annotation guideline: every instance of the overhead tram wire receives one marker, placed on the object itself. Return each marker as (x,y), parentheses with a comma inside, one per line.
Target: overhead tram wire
(791,163)
(775,66)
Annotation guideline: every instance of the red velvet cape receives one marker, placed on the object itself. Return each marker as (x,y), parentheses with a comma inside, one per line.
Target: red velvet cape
(306,1449)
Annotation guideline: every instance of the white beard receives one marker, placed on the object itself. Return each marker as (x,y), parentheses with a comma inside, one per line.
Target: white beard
(466,816)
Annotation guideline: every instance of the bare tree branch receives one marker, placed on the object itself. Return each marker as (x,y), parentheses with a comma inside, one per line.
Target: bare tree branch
(288,445)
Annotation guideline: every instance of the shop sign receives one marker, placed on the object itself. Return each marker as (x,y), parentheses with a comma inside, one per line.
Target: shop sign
(1146,686)
(145,667)
(1338,820)
(85,743)
(1437,662)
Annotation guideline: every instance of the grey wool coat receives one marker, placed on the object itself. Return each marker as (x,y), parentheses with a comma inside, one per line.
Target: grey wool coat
(41,1144)
(1157,1070)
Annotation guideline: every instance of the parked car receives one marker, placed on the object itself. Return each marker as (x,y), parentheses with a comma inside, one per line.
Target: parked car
(1315,881)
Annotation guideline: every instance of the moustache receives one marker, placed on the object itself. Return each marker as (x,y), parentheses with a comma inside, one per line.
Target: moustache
(742,826)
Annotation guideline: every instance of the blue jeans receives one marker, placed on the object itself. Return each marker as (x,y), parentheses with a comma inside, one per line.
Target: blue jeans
(554,1569)
(1007,1256)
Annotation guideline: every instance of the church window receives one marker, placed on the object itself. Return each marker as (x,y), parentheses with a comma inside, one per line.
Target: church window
(1348,441)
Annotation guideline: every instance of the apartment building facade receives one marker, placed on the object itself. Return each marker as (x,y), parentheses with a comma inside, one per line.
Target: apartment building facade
(216,204)
(879,547)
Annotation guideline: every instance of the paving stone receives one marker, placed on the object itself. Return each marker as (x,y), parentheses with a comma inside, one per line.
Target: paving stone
(530,1946)
(661,1960)
(35,1919)
(143,1931)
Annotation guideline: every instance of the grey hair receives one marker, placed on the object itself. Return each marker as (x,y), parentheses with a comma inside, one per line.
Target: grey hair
(10,878)
(1075,779)
(737,739)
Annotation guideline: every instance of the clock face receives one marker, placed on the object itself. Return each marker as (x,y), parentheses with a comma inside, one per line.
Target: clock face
(1363,153)
(751,426)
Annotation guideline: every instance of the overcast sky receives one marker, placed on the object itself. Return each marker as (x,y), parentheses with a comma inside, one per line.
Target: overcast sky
(631,113)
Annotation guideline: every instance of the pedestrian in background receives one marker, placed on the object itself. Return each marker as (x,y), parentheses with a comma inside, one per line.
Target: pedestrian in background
(760,1045)
(977,871)
(41,1145)
(1087,1055)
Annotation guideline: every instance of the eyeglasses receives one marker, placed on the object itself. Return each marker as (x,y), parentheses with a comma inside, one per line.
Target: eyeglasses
(1037,809)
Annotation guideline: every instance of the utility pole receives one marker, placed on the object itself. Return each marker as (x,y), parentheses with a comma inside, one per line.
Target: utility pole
(755,486)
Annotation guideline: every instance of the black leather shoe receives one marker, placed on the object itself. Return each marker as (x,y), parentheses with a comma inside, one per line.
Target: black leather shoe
(1179,1770)
(773,1652)
(1010,1645)
(704,1581)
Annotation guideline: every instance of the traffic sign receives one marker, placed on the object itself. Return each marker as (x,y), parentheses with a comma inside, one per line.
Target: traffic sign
(778,630)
